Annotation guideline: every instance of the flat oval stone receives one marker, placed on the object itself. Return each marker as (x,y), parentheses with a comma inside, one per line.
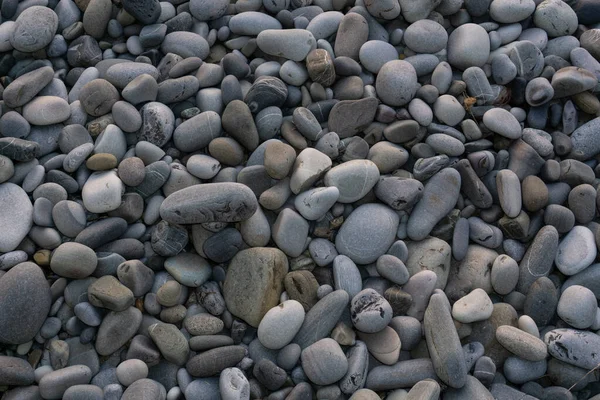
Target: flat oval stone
(73,260)
(188,269)
(521,343)
(325,24)
(576,251)
(352,33)
(322,318)
(396,83)
(370,311)
(503,123)
(585,143)
(27,86)
(145,389)
(573,347)
(293,44)
(509,192)
(197,132)
(16,216)
(556,18)
(185,44)
(281,324)
(172,344)
(324,362)
(15,371)
(117,328)
(476,306)
(468,46)
(251,23)
(439,197)
(443,342)
(46,110)
(25,303)
(98,96)
(577,306)
(158,123)
(204,203)
(34,29)
(367,233)
(354,179)
(375,53)
(214,361)
(569,81)
(425,36)
(102,192)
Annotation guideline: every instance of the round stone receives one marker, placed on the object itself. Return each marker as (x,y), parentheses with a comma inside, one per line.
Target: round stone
(34,29)
(73,260)
(280,324)
(375,53)
(556,17)
(324,362)
(425,36)
(24,304)
(576,251)
(367,233)
(98,96)
(370,311)
(396,82)
(102,192)
(468,46)
(130,371)
(577,306)
(16,216)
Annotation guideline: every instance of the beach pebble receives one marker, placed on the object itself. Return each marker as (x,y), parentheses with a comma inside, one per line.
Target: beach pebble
(324,362)
(577,307)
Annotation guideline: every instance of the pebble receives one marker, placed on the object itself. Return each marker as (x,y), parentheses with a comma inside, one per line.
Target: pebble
(324,362)
(443,342)
(253,305)
(292,44)
(521,343)
(379,225)
(370,311)
(34,29)
(577,307)
(396,83)
(476,306)
(576,251)
(468,46)
(16,215)
(26,304)
(199,204)
(439,197)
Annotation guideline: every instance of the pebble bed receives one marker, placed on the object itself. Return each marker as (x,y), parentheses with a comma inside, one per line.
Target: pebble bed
(299,199)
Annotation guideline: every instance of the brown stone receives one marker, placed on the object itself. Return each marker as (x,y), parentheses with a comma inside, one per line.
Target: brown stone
(254,282)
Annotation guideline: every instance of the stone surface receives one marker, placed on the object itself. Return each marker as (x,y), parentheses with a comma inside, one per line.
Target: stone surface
(265,268)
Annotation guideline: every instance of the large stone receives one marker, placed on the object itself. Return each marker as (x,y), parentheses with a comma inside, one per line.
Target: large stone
(443,342)
(209,202)
(25,301)
(367,233)
(16,216)
(254,282)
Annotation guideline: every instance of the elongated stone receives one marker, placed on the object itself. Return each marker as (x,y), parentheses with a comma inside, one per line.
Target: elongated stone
(209,202)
